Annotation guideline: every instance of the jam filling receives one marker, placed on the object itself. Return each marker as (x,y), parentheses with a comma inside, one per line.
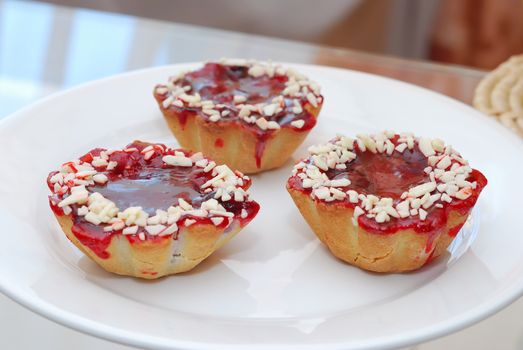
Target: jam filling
(153,188)
(389,176)
(152,185)
(383,175)
(220,83)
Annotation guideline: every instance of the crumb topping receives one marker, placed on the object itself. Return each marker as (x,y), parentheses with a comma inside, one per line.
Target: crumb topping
(299,90)
(73,184)
(447,174)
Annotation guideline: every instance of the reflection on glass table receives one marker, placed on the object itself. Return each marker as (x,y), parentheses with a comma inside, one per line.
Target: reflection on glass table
(69,46)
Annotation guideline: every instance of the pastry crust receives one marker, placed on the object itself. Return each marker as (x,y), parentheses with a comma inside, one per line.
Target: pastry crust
(170,237)
(404,250)
(151,259)
(233,144)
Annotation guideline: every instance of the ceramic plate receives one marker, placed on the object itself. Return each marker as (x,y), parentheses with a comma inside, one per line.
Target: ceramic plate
(274,285)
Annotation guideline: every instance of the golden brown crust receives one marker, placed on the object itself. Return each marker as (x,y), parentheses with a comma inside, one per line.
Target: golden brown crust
(402,251)
(153,259)
(232,143)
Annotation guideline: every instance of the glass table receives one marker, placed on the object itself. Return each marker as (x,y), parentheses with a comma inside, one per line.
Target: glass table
(46,48)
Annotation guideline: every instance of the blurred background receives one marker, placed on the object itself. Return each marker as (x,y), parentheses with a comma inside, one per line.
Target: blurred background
(476,33)
(57,44)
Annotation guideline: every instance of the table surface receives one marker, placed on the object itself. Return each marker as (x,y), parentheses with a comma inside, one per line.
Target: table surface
(63,47)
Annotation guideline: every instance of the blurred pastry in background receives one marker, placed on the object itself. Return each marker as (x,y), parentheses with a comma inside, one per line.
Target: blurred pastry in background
(500,94)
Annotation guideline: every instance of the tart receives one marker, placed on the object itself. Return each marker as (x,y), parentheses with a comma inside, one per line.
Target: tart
(248,115)
(386,202)
(149,210)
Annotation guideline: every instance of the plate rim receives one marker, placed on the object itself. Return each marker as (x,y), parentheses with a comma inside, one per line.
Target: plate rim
(73,321)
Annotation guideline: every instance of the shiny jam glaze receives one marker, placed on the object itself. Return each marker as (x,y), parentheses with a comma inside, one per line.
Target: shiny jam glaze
(383,175)
(152,188)
(390,176)
(220,83)
(152,185)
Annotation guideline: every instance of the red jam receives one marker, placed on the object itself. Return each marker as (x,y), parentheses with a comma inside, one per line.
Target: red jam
(453,231)
(220,83)
(383,175)
(390,176)
(218,143)
(150,184)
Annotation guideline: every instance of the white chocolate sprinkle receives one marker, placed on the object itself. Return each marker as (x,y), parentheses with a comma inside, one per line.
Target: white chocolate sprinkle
(269,110)
(130,230)
(154,230)
(189,222)
(177,160)
(298,123)
(100,178)
(401,147)
(312,99)
(425,146)
(272,125)
(217,221)
(262,123)
(239,99)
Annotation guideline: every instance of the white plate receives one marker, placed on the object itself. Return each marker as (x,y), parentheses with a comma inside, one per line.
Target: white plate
(274,285)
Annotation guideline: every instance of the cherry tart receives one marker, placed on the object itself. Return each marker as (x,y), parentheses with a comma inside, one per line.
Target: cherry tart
(248,115)
(386,202)
(148,210)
